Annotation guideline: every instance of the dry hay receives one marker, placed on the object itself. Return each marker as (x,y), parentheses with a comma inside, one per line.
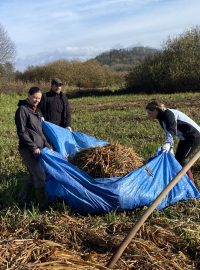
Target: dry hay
(64,242)
(107,161)
(46,243)
(41,254)
(154,249)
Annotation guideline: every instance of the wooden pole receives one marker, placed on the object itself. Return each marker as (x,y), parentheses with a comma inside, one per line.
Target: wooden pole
(148,212)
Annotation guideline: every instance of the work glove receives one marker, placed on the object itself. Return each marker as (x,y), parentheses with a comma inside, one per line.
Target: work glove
(70,129)
(166,147)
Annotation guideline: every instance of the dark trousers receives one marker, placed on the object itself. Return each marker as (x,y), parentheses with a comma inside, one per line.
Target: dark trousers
(184,151)
(37,174)
(186,148)
(37,180)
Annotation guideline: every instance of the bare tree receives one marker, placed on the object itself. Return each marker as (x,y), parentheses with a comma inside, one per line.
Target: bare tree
(7,47)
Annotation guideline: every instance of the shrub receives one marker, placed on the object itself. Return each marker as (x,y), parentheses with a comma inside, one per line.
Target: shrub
(175,68)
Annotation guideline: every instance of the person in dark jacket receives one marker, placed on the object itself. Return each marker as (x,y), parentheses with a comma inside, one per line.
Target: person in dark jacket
(31,140)
(54,105)
(176,124)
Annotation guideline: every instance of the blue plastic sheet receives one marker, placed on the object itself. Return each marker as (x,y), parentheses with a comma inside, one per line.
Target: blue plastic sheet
(139,188)
(69,143)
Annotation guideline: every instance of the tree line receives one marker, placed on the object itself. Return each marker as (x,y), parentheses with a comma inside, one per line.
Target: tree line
(125,59)
(174,69)
(88,74)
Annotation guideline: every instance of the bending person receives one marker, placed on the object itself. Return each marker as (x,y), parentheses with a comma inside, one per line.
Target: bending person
(176,124)
(28,120)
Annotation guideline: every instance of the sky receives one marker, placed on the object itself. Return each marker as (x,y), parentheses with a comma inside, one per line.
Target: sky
(47,30)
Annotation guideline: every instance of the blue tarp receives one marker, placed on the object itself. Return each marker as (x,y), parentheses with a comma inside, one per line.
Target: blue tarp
(93,196)
(69,143)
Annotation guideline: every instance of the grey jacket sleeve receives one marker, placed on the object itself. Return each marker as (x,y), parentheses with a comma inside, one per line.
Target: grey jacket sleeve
(20,121)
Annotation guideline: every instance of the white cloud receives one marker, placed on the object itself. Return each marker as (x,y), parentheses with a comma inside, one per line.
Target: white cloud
(148,28)
(40,28)
(68,53)
(105,5)
(63,14)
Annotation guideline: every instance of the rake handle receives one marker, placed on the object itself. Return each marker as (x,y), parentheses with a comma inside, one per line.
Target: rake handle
(148,212)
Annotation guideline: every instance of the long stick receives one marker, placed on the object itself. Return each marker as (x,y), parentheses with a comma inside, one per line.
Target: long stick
(148,212)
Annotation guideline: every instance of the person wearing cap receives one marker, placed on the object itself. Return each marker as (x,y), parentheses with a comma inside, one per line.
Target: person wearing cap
(55,107)
(176,124)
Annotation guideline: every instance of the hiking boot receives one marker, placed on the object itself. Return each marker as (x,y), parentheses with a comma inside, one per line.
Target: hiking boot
(42,198)
(24,196)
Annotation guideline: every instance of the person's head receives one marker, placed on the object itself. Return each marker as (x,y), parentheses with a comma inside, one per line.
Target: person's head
(34,96)
(154,108)
(56,85)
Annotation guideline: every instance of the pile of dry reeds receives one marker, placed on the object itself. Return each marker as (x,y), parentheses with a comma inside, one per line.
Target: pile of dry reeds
(154,248)
(108,161)
(41,254)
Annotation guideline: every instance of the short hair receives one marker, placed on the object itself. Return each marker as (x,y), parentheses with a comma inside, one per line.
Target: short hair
(155,105)
(33,90)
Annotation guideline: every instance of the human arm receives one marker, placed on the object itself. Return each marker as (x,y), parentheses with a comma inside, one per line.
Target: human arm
(170,127)
(21,117)
(67,113)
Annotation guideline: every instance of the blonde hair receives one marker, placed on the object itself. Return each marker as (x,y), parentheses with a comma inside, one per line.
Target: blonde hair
(155,105)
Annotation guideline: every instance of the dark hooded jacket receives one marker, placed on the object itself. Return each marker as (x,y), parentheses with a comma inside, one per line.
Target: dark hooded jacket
(29,127)
(176,123)
(55,108)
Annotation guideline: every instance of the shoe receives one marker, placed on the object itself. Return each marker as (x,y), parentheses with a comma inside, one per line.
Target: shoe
(42,198)
(24,196)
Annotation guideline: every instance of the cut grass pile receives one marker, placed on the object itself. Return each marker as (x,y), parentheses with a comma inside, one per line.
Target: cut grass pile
(108,161)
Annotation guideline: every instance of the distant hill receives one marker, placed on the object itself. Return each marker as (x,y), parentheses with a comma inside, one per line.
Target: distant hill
(124,59)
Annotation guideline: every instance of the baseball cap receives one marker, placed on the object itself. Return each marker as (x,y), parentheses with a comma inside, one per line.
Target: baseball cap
(56,81)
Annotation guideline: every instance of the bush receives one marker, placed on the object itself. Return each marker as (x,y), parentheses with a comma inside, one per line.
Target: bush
(176,68)
(89,74)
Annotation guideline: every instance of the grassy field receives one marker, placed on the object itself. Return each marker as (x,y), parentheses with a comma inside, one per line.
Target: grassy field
(170,239)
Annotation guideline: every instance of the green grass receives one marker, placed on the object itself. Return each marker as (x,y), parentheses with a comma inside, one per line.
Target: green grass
(117,119)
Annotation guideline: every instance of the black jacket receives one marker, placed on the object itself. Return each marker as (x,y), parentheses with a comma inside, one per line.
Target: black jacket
(176,123)
(29,127)
(55,108)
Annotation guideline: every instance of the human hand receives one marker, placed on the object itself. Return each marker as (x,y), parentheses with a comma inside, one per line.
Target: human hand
(70,129)
(166,147)
(36,151)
